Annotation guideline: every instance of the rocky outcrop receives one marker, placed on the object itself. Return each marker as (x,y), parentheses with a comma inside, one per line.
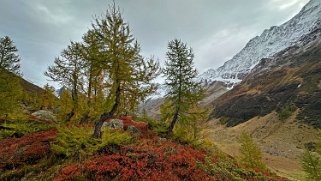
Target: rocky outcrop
(133,129)
(44,115)
(311,109)
(244,107)
(114,124)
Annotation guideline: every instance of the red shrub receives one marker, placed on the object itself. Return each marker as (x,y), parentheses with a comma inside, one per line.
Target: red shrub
(128,121)
(27,149)
(72,171)
(168,161)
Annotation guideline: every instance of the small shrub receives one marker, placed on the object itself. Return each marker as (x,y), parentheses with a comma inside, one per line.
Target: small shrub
(114,137)
(224,120)
(20,128)
(184,133)
(286,111)
(167,161)
(222,168)
(73,141)
(157,126)
(77,141)
(25,150)
(311,165)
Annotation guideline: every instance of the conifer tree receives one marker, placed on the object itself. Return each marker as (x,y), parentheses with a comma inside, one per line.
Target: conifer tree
(90,52)
(68,70)
(251,155)
(184,91)
(311,165)
(9,59)
(129,75)
(10,88)
(48,97)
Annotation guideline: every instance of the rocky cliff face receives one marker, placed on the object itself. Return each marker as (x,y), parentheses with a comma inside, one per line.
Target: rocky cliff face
(270,42)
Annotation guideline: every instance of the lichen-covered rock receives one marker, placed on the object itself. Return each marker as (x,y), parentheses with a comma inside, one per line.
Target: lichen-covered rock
(44,115)
(115,124)
(133,129)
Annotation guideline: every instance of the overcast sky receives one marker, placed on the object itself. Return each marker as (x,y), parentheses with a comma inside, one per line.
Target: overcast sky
(215,29)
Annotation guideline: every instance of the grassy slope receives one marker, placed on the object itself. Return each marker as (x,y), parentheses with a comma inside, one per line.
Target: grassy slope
(282,142)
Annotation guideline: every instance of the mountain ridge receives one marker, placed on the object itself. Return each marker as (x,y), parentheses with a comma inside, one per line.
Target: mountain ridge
(270,42)
(290,78)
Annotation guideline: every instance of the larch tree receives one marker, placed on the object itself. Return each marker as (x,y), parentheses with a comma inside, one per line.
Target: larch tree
(90,52)
(9,59)
(10,87)
(129,75)
(68,70)
(251,155)
(65,103)
(311,165)
(184,92)
(48,97)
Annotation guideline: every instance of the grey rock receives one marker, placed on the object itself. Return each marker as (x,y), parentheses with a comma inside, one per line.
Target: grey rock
(133,129)
(43,114)
(114,124)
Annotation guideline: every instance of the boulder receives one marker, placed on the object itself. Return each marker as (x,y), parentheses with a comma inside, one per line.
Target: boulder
(44,115)
(114,124)
(133,129)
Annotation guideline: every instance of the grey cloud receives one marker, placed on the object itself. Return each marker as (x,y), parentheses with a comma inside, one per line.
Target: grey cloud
(216,29)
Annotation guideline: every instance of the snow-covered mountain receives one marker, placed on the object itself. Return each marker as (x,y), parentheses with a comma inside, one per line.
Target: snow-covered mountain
(270,42)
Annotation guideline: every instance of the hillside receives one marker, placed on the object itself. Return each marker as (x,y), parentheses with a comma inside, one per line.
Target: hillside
(282,142)
(279,104)
(29,88)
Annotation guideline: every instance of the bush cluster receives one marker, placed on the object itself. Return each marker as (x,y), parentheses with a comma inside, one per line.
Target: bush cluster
(77,141)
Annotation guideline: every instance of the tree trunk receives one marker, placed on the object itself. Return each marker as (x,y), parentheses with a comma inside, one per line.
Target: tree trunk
(109,115)
(174,120)
(6,117)
(70,115)
(85,118)
(90,82)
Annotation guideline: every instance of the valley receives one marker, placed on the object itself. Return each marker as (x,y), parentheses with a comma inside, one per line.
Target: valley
(109,112)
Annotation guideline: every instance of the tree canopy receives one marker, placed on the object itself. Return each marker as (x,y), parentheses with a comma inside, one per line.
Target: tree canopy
(9,59)
(184,91)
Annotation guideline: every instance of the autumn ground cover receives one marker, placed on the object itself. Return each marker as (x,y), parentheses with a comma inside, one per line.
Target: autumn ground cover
(122,156)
